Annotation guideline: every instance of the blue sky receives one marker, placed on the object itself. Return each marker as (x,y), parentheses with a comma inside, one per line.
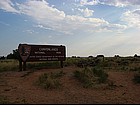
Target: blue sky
(86,27)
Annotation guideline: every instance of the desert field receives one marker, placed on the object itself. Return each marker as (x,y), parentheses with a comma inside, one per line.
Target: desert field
(80,81)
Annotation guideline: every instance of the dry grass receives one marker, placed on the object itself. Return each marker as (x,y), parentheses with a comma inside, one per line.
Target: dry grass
(8,65)
(90,77)
(50,81)
(18,89)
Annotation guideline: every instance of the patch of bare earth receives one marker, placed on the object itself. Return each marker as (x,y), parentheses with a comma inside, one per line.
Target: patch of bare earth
(21,88)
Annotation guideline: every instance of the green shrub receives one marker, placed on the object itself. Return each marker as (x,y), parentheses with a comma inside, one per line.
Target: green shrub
(50,81)
(71,61)
(57,75)
(135,69)
(137,78)
(91,76)
(83,78)
(102,76)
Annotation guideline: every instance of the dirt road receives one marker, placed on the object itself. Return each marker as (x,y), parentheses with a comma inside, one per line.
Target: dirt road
(21,88)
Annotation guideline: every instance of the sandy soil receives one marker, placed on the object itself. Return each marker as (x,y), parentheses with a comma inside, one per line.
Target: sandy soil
(21,88)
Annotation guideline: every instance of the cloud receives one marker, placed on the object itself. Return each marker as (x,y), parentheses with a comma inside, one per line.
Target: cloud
(41,10)
(42,27)
(8,6)
(49,17)
(86,12)
(29,31)
(54,19)
(132,18)
(117,3)
(89,2)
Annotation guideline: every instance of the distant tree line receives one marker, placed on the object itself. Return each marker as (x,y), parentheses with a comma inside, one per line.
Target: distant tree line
(14,55)
(2,57)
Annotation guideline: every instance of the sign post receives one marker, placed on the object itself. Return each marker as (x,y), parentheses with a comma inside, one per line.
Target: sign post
(24,66)
(31,53)
(20,65)
(61,64)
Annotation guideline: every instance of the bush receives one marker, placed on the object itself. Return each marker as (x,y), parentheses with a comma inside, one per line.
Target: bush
(137,78)
(91,76)
(83,78)
(57,75)
(102,76)
(50,81)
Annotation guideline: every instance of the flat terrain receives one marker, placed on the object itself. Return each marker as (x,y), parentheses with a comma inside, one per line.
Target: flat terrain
(21,88)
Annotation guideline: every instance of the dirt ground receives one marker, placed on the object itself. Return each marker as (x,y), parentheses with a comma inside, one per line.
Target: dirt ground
(21,88)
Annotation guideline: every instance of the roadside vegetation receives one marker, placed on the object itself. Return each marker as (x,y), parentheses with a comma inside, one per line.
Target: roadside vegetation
(8,65)
(42,65)
(13,65)
(51,80)
(109,63)
(89,77)
(136,79)
(115,63)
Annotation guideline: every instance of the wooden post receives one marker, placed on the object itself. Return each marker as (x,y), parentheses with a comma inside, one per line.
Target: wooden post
(61,64)
(20,65)
(24,66)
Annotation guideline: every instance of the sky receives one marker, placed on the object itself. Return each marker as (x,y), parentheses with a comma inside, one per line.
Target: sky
(85,27)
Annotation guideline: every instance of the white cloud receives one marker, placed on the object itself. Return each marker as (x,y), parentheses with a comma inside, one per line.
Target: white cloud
(132,18)
(8,6)
(54,19)
(48,17)
(43,27)
(89,2)
(117,3)
(133,2)
(41,10)
(86,12)
(29,31)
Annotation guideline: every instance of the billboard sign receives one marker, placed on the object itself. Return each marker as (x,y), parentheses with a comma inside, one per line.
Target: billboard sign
(30,52)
